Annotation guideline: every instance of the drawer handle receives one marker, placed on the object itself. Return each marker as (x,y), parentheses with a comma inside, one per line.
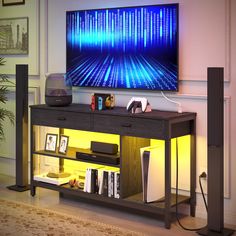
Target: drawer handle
(61,118)
(127,125)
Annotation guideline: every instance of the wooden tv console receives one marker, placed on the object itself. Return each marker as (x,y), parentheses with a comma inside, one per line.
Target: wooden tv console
(135,131)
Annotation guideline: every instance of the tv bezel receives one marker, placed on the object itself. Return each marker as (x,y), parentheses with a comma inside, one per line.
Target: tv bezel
(132,89)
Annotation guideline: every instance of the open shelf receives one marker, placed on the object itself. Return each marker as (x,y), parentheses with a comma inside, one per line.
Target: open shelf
(134,201)
(132,132)
(71,155)
(138,198)
(66,188)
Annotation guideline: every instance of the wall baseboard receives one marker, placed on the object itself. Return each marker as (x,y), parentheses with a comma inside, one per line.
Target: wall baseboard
(7,166)
(229,216)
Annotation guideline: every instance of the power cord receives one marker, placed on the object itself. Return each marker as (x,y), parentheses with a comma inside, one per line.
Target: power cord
(176,196)
(203,175)
(170,100)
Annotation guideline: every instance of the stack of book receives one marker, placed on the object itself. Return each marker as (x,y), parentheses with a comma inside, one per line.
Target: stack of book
(57,180)
(103,182)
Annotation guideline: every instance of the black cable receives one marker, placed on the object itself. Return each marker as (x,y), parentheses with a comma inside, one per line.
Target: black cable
(203,175)
(176,196)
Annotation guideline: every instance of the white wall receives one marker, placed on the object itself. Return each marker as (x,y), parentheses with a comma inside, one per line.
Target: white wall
(30,10)
(207,38)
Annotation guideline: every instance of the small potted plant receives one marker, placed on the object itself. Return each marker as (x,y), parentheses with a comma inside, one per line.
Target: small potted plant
(4,113)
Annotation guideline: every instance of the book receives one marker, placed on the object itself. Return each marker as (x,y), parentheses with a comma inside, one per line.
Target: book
(116,185)
(100,182)
(110,184)
(88,182)
(94,180)
(105,183)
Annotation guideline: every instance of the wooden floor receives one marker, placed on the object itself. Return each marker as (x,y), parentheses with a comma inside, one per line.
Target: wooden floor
(50,200)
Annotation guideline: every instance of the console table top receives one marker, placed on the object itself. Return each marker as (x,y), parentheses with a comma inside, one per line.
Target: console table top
(119,111)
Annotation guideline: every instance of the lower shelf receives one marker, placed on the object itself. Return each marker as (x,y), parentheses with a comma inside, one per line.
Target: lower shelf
(134,202)
(161,202)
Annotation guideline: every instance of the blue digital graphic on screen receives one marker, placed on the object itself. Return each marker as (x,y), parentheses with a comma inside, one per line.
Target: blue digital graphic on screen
(130,48)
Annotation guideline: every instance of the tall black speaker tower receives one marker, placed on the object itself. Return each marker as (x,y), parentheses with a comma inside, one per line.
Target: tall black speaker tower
(215,153)
(21,129)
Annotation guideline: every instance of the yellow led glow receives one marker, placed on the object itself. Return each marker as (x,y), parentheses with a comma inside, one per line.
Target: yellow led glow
(184,148)
(82,139)
(78,139)
(75,167)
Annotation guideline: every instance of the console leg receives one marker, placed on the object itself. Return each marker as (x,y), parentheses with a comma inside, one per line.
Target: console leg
(32,190)
(168,183)
(167,221)
(193,172)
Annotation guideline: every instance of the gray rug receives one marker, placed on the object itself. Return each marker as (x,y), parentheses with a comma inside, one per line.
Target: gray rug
(25,220)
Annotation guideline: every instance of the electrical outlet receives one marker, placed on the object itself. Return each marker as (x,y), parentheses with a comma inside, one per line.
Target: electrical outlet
(203,180)
(202,169)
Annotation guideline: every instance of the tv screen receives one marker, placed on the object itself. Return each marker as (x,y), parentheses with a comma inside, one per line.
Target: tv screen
(124,48)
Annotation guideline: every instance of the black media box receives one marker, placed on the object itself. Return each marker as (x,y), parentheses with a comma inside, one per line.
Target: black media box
(88,155)
(107,148)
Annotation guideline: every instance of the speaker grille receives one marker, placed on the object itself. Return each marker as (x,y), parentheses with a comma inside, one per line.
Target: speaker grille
(21,125)
(215,106)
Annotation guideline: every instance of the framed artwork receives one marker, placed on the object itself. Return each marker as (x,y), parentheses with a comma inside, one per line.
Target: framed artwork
(14,38)
(51,142)
(12,2)
(63,144)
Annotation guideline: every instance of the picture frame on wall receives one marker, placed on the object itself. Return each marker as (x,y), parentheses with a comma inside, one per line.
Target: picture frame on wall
(12,2)
(51,142)
(63,144)
(14,36)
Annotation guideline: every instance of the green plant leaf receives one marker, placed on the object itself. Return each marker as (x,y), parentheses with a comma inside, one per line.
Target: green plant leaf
(4,113)
(2,61)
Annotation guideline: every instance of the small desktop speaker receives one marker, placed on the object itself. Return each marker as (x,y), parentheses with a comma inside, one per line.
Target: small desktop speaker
(106,148)
(57,91)
(21,129)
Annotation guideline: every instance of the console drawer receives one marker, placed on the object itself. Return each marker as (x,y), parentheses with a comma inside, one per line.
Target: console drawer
(131,126)
(61,119)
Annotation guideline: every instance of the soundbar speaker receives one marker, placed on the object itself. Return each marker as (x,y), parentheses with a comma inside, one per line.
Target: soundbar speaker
(215,154)
(107,148)
(21,129)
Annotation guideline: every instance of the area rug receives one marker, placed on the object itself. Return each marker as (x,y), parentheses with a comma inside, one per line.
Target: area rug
(25,220)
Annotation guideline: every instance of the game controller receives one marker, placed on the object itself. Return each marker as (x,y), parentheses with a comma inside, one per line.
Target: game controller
(93,102)
(137,102)
(100,103)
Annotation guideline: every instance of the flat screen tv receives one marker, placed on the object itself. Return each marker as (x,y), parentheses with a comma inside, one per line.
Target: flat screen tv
(123,48)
